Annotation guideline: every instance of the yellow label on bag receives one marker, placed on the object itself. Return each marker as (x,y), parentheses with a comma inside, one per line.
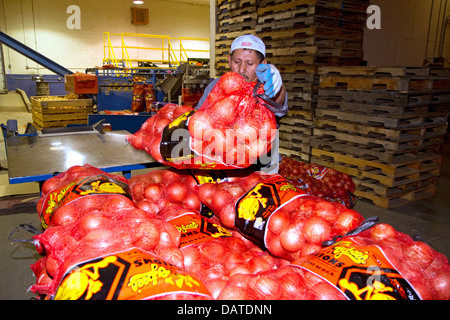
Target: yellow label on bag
(360,272)
(131,275)
(196,229)
(255,207)
(86,186)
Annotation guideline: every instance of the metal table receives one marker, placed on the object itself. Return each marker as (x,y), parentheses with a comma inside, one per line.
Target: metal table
(38,158)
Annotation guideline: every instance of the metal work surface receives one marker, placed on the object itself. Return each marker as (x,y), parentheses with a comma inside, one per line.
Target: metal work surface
(37,158)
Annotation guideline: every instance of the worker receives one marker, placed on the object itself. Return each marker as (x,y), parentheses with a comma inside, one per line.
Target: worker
(248,59)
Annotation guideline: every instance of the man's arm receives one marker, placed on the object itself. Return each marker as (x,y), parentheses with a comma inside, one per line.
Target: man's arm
(281,96)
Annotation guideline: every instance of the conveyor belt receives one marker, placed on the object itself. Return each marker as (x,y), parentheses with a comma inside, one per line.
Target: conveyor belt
(33,55)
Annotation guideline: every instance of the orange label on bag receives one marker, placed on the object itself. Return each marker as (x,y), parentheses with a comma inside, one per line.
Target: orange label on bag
(359,272)
(131,275)
(95,185)
(195,229)
(254,208)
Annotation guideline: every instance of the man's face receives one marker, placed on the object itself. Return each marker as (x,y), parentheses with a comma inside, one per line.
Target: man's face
(244,62)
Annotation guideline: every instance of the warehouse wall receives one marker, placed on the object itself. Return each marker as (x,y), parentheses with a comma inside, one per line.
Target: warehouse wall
(410,32)
(42,25)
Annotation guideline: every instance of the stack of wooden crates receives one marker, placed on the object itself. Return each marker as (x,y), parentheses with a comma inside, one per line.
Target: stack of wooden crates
(382,125)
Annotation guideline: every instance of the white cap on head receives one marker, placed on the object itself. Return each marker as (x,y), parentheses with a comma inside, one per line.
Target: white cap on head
(249,41)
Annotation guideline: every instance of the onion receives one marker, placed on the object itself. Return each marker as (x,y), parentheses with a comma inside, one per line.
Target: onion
(233,293)
(382,231)
(274,246)
(293,285)
(241,269)
(233,260)
(310,248)
(153,192)
(169,176)
(176,191)
(214,272)
(306,205)
(292,240)
(223,112)
(258,264)
(257,148)
(421,253)
(148,235)
(325,291)
(51,265)
(264,287)
(316,230)
(245,133)
(117,203)
(268,130)
(171,255)
(220,199)
(215,286)
(228,216)
(347,220)
(100,239)
(192,202)
(230,82)
(206,192)
(180,110)
(199,126)
(278,222)
(93,220)
(441,283)
(192,259)
(236,191)
(213,251)
(64,215)
(325,210)
(155,176)
(149,207)
(160,124)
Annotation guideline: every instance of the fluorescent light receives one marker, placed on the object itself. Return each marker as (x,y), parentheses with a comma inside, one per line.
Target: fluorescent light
(138,2)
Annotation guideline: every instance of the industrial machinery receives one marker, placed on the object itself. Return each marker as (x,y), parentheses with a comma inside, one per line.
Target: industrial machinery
(111,87)
(195,80)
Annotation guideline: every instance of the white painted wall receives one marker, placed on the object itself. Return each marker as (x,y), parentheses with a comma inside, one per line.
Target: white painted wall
(42,25)
(405,28)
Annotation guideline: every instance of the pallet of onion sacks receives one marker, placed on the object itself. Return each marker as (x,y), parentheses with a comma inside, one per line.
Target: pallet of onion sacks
(217,235)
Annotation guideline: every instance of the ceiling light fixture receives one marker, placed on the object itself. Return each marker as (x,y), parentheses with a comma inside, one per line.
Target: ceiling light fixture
(138,2)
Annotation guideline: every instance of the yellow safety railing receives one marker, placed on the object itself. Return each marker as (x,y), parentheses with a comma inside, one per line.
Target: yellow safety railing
(108,50)
(157,49)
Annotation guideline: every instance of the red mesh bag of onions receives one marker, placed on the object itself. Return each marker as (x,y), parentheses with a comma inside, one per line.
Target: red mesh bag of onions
(379,263)
(232,129)
(99,233)
(272,212)
(133,274)
(215,254)
(81,189)
(162,189)
(321,181)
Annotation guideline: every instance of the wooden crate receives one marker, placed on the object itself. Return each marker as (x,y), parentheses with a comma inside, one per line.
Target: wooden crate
(55,111)
(295,154)
(386,185)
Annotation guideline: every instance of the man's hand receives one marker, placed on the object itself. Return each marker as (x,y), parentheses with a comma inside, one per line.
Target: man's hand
(269,75)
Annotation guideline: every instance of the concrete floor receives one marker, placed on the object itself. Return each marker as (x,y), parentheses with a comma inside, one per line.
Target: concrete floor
(429,218)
